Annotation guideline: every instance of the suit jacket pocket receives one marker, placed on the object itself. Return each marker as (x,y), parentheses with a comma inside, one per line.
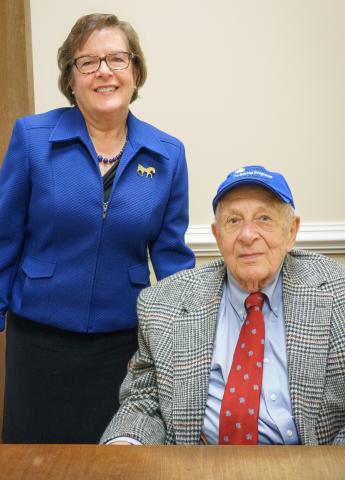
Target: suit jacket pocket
(139,274)
(34,268)
(33,288)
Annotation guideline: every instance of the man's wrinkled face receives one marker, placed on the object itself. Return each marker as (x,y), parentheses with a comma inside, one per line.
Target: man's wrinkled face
(254,230)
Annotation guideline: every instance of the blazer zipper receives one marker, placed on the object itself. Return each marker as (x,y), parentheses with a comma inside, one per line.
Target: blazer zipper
(105,209)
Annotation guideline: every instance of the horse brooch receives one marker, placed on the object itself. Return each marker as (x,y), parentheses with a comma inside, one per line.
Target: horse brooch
(148,171)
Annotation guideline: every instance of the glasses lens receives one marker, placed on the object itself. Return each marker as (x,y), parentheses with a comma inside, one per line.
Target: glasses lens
(118,60)
(87,64)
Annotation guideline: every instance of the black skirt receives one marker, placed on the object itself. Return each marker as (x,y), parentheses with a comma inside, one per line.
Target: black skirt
(60,386)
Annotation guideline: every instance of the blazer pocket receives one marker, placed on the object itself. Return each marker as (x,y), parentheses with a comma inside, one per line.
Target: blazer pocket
(34,268)
(32,289)
(139,274)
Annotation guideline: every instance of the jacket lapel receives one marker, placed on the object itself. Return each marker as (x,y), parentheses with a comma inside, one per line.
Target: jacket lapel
(140,136)
(193,337)
(72,126)
(307,311)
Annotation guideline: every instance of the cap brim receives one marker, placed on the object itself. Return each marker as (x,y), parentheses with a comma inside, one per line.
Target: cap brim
(247,181)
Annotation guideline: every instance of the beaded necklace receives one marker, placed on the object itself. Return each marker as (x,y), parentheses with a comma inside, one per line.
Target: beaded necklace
(114,159)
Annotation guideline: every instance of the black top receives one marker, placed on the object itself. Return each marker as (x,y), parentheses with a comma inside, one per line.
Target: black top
(108,180)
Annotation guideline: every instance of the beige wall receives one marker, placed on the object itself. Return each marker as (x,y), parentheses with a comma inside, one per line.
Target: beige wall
(240,82)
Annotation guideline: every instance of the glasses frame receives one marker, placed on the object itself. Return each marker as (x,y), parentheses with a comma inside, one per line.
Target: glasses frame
(131,56)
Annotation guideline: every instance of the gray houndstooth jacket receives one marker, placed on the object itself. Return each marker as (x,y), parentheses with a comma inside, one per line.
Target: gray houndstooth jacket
(164,394)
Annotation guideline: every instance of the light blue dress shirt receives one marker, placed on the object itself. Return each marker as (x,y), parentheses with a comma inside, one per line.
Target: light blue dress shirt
(276,423)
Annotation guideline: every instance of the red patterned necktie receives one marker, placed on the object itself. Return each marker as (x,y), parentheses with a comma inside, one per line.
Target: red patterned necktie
(238,421)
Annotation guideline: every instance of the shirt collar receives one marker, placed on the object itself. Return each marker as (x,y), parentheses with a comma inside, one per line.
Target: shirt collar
(141,134)
(236,295)
(72,125)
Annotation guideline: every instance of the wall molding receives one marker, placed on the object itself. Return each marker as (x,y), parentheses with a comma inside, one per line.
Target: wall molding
(320,237)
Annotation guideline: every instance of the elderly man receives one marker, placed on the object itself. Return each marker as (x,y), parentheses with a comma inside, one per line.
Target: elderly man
(245,350)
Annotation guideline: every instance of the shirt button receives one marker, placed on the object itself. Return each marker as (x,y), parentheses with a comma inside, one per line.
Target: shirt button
(273,397)
(289,433)
(266,360)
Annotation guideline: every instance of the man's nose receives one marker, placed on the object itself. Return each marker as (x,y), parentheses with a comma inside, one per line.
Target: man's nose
(247,232)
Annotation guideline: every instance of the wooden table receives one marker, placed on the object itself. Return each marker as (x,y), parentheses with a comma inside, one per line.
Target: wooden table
(98,462)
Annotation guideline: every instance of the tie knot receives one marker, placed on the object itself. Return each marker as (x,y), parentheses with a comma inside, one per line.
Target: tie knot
(255,299)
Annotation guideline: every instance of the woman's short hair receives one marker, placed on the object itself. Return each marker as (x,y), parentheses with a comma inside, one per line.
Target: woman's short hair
(79,34)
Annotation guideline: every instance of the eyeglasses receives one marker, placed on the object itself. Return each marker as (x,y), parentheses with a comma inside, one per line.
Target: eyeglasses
(115,61)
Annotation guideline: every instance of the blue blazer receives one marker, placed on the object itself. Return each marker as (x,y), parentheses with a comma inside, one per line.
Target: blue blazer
(62,261)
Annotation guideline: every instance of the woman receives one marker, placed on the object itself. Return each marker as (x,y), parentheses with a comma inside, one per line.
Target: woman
(85,193)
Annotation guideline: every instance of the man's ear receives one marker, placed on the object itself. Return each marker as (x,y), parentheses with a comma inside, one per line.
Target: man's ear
(214,228)
(293,230)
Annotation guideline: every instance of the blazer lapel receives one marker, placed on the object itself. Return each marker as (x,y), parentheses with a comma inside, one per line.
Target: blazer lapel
(193,337)
(140,136)
(307,311)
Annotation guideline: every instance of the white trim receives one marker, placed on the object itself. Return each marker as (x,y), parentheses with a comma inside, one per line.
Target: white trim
(320,237)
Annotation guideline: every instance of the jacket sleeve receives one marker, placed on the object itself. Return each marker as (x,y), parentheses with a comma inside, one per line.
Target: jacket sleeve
(340,438)
(14,199)
(169,253)
(335,385)
(139,414)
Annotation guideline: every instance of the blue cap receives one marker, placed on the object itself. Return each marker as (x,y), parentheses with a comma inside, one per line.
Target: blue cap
(255,175)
